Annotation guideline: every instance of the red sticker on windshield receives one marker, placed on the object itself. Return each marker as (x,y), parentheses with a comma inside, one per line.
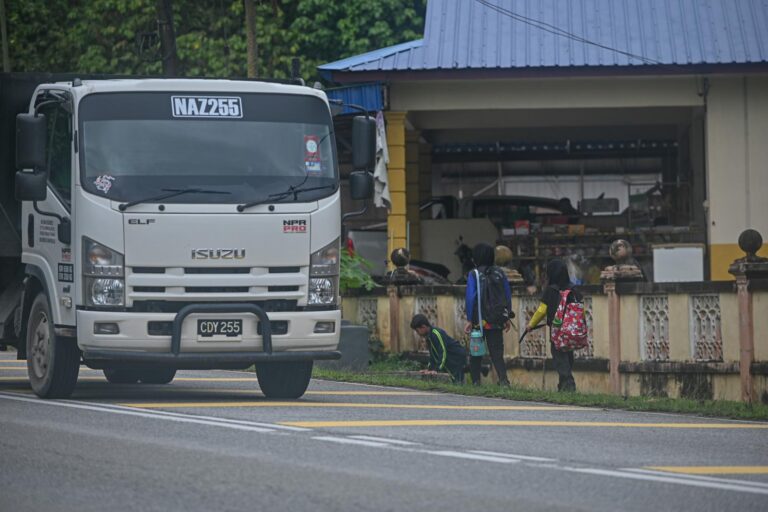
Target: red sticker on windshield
(312,154)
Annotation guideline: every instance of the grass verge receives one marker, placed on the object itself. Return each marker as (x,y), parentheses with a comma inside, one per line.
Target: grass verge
(712,408)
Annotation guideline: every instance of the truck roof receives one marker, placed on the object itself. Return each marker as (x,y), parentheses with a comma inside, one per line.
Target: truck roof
(192,85)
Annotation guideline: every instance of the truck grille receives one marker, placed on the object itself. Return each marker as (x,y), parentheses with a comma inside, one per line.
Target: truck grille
(158,306)
(211,284)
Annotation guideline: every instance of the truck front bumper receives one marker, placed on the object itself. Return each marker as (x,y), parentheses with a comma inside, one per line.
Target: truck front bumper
(184,349)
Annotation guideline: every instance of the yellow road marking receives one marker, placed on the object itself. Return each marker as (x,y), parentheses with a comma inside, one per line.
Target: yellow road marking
(24,380)
(517,423)
(370,393)
(24,368)
(264,403)
(340,393)
(200,379)
(714,470)
(216,379)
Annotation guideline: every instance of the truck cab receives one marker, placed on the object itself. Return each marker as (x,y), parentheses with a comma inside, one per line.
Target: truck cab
(174,224)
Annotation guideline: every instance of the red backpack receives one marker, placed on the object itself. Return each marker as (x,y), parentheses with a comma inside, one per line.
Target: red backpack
(569,327)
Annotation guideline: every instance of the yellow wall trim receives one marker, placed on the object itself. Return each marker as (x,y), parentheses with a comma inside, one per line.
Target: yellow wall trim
(722,255)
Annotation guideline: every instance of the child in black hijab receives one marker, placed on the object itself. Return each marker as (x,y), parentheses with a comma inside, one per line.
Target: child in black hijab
(557,281)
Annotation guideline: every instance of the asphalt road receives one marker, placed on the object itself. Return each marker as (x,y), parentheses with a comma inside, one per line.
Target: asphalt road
(210,441)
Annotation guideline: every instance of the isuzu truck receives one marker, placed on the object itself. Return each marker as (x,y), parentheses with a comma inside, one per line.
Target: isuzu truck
(167,224)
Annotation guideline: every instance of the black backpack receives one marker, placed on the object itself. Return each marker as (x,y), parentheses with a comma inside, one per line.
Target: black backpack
(494,300)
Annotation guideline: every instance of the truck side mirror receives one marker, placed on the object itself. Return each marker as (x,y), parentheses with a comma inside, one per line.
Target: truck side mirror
(360,185)
(31,186)
(363,143)
(30,141)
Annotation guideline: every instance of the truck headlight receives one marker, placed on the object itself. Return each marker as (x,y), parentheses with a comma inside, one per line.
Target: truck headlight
(322,291)
(104,292)
(324,275)
(103,274)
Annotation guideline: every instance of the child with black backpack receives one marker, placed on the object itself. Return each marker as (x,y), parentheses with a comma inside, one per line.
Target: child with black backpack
(445,353)
(489,298)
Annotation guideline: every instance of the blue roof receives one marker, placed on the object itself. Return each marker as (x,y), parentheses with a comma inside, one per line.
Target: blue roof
(368,96)
(529,34)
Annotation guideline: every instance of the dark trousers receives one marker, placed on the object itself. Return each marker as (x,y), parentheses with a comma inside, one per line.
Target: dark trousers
(564,366)
(456,369)
(495,340)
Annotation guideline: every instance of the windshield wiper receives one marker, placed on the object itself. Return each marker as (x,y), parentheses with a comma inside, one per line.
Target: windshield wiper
(294,191)
(172,192)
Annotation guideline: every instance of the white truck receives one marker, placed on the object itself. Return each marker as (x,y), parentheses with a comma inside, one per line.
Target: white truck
(171,224)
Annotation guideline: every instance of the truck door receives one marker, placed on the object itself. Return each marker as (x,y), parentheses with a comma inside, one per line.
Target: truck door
(43,249)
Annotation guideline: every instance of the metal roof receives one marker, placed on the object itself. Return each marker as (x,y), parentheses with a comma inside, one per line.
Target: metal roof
(545,34)
(368,96)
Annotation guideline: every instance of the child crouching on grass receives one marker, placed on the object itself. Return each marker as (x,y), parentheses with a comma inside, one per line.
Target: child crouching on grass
(445,353)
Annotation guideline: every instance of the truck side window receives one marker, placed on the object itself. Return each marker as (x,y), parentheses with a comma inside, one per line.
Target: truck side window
(59,150)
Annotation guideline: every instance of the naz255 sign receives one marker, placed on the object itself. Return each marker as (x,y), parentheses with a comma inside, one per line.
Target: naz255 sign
(207,106)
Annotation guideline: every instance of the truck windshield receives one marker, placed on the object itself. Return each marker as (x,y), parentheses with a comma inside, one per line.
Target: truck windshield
(247,146)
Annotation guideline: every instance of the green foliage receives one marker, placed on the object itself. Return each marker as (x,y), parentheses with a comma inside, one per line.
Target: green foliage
(120,36)
(376,349)
(394,363)
(354,272)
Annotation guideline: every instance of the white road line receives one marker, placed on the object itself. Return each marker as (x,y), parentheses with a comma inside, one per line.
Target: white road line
(752,483)
(471,456)
(513,456)
(385,440)
(669,479)
(142,414)
(348,440)
(270,426)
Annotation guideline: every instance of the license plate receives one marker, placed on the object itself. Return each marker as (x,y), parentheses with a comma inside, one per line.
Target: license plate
(219,330)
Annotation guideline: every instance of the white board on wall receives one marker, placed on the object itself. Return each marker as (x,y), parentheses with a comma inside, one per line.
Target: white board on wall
(676,263)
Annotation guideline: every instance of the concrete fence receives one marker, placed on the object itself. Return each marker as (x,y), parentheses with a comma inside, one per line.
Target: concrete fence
(666,340)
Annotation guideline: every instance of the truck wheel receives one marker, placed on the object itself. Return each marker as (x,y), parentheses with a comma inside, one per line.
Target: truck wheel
(284,379)
(121,376)
(52,362)
(157,375)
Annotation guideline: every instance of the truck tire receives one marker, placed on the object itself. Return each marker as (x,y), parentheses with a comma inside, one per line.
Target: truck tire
(284,379)
(53,363)
(121,376)
(157,375)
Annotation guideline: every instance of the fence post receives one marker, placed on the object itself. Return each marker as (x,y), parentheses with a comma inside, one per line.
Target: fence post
(625,269)
(394,319)
(744,269)
(614,334)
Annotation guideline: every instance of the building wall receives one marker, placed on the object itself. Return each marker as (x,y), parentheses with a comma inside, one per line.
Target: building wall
(556,93)
(737,165)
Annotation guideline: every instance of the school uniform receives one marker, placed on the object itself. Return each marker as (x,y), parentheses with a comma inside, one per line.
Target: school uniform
(446,354)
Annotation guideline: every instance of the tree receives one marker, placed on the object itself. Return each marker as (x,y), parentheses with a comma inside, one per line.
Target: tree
(211,38)
(253,47)
(168,55)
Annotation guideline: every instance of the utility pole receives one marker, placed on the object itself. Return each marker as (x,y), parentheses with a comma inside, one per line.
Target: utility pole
(167,37)
(4,31)
(253,46)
